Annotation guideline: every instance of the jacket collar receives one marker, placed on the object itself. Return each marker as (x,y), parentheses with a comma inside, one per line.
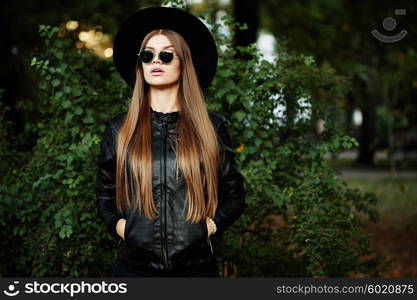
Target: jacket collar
(170,117)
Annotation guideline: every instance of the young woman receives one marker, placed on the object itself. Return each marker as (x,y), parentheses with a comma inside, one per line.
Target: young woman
(167,183)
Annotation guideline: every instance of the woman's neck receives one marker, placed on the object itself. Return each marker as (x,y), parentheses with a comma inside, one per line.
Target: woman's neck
(164,99)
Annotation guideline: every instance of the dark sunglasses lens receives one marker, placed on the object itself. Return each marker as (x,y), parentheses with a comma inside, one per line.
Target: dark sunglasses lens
(166,56)
(146,56)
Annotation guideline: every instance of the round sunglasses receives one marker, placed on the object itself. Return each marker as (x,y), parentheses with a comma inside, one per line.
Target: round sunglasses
(166,56)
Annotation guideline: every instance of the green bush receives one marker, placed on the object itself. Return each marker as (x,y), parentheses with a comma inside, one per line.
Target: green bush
(282,158)
(48,201)
(49,217)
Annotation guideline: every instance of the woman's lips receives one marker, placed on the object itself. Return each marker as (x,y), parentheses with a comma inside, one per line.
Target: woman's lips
(157,73)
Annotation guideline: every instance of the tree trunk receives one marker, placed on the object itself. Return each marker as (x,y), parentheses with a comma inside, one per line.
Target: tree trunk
(367,144)
(246,11)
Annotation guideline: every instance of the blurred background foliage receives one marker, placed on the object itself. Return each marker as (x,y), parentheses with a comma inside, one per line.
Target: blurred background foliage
(288,115)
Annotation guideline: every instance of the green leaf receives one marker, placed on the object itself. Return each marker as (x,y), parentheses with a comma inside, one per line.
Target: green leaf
(78,110)
(68,117)
(88,120)
(249,133)
(55,82)
(240,115)
(230,98)
(66,103)
(59,54)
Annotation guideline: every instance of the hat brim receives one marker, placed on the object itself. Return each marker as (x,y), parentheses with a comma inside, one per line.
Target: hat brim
(199,39)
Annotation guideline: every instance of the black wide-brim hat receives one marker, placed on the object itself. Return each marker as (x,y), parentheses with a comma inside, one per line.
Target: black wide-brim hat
(198,37)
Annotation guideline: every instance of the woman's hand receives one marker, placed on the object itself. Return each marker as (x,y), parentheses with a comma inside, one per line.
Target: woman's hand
(210,227)
(120,228)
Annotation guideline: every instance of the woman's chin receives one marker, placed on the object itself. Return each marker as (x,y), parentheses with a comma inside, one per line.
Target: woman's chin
(162,84)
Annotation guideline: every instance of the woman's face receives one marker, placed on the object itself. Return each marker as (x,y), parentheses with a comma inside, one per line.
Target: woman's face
(170,72)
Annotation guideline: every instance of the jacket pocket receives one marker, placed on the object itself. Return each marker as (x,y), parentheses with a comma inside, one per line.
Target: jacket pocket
(189,235)
(139,232)
(208,240)
(125,231)
(204,230)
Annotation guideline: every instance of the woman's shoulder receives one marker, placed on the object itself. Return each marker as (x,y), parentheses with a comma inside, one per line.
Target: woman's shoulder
(217,118)
(116,121)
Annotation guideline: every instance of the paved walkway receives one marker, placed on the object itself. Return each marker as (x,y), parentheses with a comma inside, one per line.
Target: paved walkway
(371,174)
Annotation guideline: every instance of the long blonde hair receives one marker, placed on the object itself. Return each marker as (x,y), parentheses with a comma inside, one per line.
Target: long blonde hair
(198,150)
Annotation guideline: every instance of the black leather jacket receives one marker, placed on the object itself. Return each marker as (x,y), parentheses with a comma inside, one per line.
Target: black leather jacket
(168,242)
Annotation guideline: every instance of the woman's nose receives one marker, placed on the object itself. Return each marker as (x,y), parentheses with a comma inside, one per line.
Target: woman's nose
(156,58)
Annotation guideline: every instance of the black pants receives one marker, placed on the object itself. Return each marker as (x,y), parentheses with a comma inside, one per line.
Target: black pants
(120,269)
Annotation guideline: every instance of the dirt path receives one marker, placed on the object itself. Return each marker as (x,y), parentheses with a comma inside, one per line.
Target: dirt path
(397,241)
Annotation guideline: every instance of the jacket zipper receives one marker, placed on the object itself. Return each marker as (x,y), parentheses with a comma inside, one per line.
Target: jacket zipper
(209,242)
(163,194)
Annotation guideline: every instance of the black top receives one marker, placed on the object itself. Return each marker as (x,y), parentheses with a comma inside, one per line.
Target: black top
(171,117)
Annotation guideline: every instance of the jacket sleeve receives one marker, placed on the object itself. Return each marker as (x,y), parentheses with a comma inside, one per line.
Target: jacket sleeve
(106,181)
(231,199)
